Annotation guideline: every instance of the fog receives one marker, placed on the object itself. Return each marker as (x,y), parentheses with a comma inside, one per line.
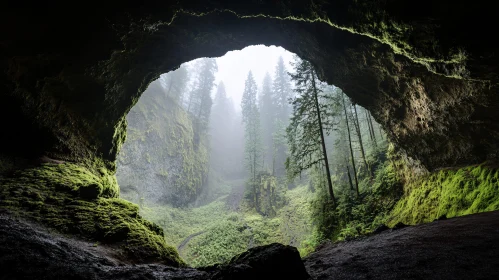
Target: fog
(230,153)
(234,66)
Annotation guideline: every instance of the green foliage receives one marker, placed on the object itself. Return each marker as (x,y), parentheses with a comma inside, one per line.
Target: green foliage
(353,216)
(448,193)
(307,121)
(271,194)
(215,234)
(71,199)
(280,111)
(312,118)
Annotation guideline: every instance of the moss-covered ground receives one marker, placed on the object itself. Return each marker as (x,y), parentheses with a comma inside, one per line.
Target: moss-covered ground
(214,233)
(448,193)
(73,200)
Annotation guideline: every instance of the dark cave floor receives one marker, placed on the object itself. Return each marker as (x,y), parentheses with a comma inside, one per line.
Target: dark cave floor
(459,248)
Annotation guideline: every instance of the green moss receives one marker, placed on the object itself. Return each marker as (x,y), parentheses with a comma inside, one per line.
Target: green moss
(73,200)
(448,193)
(158,122)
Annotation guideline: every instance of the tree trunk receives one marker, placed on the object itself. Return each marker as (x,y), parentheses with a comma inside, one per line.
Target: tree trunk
(324,152)
(380,132)
(273,165)
(369,126)
(372,128)
(257,206)
(359,136)
(350,144)
(349,176)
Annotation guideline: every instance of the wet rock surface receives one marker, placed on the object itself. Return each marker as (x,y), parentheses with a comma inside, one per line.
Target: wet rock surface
(30,252)
(274,261)
(458,248)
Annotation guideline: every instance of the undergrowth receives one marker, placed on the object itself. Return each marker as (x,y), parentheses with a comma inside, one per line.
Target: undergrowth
(213,233)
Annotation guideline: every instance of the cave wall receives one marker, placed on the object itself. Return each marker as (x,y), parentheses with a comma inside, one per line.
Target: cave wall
(70,78)
(70,74)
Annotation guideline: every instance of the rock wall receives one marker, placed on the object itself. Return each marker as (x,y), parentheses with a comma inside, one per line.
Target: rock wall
(165,156)
(423,72)
(69,76)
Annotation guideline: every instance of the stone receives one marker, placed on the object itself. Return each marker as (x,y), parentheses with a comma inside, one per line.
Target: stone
(273,261)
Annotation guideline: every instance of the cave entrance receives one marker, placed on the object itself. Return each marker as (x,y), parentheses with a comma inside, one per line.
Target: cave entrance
(207,145)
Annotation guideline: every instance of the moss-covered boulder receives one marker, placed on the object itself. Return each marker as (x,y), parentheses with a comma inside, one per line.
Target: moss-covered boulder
(72,199)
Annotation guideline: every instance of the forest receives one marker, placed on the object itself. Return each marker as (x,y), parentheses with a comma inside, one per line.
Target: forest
(250,140)
(280,158)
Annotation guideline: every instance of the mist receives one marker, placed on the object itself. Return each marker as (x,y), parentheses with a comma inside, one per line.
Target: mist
(248,149)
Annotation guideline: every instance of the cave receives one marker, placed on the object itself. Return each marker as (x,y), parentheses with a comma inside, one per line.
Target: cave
(70,76)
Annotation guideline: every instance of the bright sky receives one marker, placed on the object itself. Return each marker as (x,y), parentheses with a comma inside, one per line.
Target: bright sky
(234,66)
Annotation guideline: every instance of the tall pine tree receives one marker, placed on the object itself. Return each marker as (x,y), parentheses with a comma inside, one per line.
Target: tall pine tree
(281,92)
(175,83)
(251,121)
(267,119)
(222,116)
(200,102)
(310,118)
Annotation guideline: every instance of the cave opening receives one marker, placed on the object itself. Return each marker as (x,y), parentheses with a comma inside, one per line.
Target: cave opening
(429,79)
(215,153)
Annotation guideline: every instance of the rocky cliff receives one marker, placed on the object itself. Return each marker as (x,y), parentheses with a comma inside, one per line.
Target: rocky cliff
(165,156)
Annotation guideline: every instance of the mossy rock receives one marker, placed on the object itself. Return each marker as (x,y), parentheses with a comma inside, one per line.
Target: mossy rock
(73,200)
(447,194)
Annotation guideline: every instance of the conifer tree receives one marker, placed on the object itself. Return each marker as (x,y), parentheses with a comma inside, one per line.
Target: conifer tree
(222,115)
(267,111)
(356,123)
(306,130)
(200,101)
(175,83)
(350,146)
(281,92)
(251,121)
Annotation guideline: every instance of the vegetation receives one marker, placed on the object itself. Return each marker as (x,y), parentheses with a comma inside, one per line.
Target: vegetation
(219,233)
(306,130)
(200,102)
(178,170)
(253,151)
(300,164)
(448,193)
(71,199)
